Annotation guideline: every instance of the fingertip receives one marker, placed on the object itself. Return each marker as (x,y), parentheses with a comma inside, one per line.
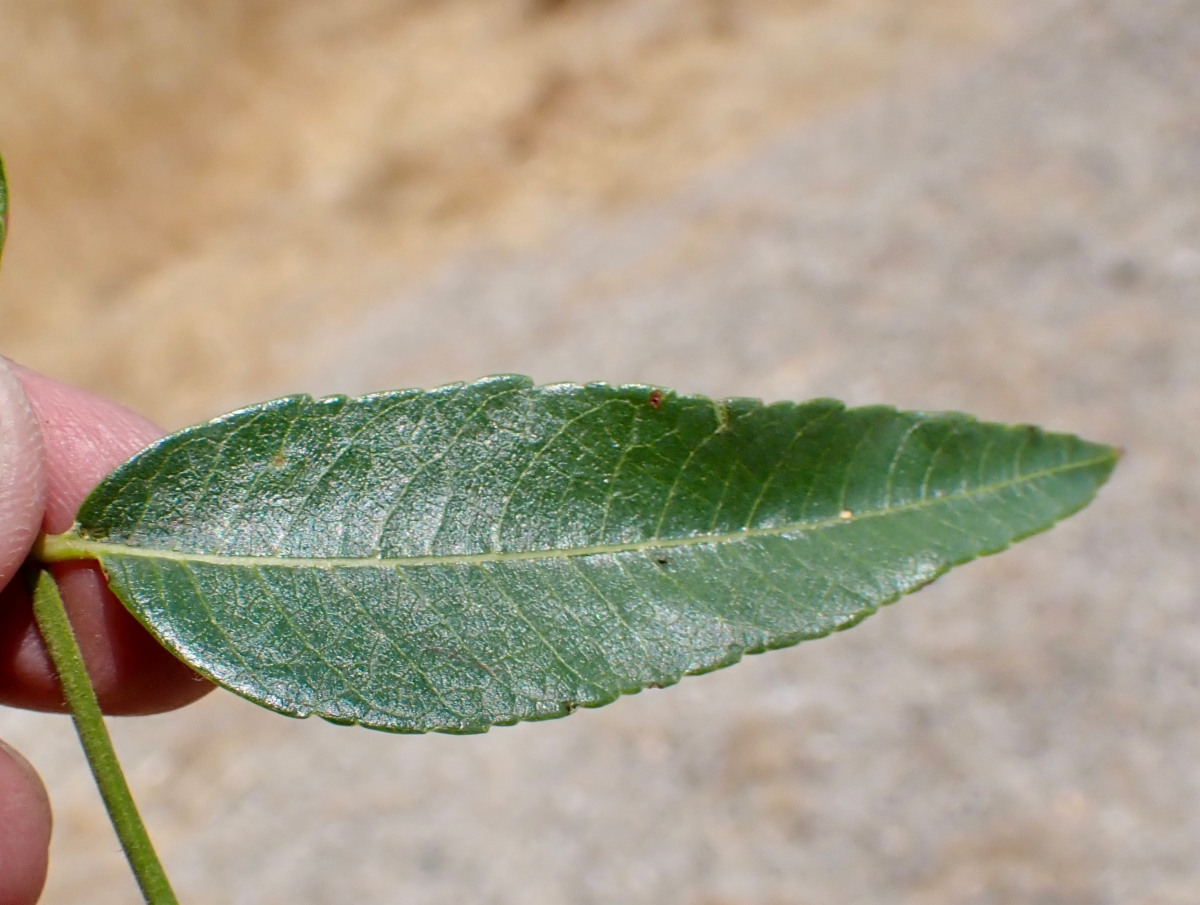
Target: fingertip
(84,437)
(132,674)
(25,826)
(23,485)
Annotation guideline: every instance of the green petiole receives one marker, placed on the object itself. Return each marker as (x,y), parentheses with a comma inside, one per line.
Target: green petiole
(97,745)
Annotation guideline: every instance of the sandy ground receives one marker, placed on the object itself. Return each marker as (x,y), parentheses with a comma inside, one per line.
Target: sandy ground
(200,190)
(1014,231)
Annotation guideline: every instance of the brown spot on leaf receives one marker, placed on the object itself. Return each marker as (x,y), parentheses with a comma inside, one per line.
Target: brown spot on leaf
(656,399)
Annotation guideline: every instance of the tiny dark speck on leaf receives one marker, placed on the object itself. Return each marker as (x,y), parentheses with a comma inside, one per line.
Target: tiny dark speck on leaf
(655,685)
(662,560)
(656,399)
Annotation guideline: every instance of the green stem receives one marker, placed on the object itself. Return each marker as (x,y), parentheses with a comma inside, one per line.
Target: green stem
(89,723)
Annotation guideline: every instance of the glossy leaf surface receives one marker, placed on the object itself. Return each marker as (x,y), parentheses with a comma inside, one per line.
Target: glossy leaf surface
(486,553)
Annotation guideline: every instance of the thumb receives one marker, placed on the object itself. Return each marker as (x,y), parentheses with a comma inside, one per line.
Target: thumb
(24,808)
(22,475)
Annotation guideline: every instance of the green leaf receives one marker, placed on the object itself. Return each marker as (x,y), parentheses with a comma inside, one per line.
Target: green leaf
(3,207)
(486,553)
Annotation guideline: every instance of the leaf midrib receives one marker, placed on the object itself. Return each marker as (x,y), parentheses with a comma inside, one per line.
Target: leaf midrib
(71,546)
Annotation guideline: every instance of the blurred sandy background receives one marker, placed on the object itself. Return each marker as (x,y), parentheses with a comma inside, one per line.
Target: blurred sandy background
(992,206)
(204,189)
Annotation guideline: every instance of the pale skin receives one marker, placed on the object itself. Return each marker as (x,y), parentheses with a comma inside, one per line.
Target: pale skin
(56,443)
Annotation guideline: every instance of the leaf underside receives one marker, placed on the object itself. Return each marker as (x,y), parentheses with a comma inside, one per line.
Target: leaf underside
(492,552)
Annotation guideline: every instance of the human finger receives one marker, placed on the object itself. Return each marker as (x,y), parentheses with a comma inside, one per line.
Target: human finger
(24,830)
(83,438)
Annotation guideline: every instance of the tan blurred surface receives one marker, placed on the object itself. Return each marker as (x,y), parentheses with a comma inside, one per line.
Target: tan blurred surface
(1011,228)
(200,189)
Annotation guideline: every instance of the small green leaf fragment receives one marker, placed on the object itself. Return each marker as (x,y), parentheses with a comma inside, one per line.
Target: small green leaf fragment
(3,207)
